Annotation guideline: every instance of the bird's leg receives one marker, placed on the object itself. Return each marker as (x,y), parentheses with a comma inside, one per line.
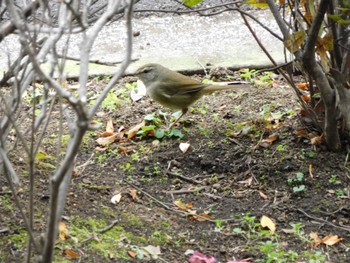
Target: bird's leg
(182,114)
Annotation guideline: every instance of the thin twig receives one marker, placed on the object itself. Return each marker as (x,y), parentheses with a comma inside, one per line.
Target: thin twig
(112,224)
(323,220)
(275,68)
(97,61)
(185,178)
(179,211)
(185,191)
(150,196)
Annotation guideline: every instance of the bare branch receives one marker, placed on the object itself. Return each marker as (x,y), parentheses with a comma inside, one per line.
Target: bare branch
(10,27)
(123,66)
(88,41)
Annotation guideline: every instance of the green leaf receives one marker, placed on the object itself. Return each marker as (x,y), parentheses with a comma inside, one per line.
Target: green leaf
(175,133)
(299,188)
(191,3)
(338,19)
(148,128)
(159,134)
(149,117)
(311,154)
(237,230)
(152,118)
(300,176)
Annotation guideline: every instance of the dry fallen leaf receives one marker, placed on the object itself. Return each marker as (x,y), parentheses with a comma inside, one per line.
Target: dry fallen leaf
(132,132)
(116,198)
(183,206)
(310,171)
(101,149)
(331,240)
(317,140)
(201,217)
(266,143)
(262,195)
(304,86)
(132,253)
(104,141)
(247,182)
(106,134)
(184,146)
(133,193)
(317,240)
(267,222)
(109,126)
(305,98)
(62,231)
(271,138)
(71,254)
(301,133)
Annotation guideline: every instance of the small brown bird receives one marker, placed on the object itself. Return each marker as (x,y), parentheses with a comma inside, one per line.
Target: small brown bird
(174,90)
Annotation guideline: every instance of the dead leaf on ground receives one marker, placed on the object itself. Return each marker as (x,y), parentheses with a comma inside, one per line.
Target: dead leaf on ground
(262,195)
(126,149)
(316,239)
(317,140)
(310,171)
(305,98)
(109,126)
(183,206)
(71,254)
(132,253)
(266,143)
(116,198)
(106,134)
(272,138)
(304,86)
(101,149)
(201,217)
(132,132)
(301,133)
(133,193)
(267,222)
(184,146)
(329,240)
(62,231)
(247,182)
(105,141)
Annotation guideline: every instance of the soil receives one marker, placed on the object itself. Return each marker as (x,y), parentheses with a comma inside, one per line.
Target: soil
(228,177)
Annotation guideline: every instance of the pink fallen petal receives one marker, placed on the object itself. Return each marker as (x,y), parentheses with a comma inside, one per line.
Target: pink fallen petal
(198,257)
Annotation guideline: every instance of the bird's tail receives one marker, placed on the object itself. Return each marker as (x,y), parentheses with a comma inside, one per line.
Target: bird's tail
(239,86)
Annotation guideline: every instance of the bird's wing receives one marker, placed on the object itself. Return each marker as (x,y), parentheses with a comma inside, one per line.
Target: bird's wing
(176,83)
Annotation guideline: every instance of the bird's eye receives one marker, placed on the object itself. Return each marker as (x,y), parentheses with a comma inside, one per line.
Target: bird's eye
(146,70)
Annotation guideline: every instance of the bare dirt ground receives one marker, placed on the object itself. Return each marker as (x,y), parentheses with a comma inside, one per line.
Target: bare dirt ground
(209,199)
